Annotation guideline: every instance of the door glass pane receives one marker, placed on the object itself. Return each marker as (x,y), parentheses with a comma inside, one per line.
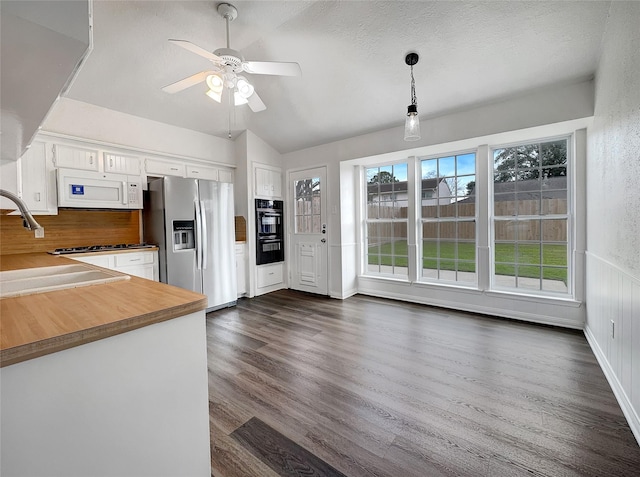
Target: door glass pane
(307,200)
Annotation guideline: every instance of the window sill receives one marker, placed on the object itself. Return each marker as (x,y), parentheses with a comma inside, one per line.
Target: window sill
(393,278)
(473,290)
(568,301)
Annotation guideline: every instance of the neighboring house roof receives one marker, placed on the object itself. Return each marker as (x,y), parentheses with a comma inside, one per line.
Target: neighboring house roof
(401,186)
(552,188)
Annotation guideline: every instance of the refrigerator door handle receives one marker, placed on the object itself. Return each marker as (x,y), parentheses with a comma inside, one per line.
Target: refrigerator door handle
(205,236)
(198,236)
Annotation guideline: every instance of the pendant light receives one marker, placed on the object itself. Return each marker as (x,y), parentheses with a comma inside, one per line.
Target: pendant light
(412,123)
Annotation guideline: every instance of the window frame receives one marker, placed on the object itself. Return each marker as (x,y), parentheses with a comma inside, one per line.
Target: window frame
(499,300)
(439,220)
(364,268)
(569,216)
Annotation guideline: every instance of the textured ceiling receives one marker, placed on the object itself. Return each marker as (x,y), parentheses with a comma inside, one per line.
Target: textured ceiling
(354,78)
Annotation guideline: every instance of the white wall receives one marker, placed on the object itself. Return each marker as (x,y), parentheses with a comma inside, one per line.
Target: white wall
(241,186)
(83,120)
(250,151)
(613,210)
(542,107)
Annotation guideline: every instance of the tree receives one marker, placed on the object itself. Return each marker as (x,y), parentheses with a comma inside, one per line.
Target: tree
(383,177)
(471,186)
(531,161)
(308,187)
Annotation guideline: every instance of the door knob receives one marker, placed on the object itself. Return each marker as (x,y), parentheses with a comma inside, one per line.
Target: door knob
(324,240)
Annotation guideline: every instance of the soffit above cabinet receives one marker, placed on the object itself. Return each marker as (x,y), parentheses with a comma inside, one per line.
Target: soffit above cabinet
(43,44)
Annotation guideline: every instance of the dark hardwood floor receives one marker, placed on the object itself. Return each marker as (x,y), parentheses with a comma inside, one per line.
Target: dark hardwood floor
(307,385)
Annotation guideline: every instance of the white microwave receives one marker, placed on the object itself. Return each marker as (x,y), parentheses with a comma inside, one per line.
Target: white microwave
(98,190)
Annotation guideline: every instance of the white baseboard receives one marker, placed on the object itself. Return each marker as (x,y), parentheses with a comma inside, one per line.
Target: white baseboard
(344,294)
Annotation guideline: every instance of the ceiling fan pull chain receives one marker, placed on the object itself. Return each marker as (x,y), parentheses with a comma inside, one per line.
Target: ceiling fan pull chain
(229,104)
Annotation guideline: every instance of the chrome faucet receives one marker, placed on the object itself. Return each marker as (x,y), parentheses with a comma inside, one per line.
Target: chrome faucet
(27,219)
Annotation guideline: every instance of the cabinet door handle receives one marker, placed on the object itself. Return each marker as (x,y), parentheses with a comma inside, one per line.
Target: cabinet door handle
(37,196)
(111,162)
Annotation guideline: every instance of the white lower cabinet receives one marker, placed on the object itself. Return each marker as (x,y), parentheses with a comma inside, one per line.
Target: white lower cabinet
(269,275)
(139,264)
(241,263)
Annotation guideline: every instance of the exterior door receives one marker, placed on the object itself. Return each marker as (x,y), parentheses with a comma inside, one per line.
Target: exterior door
(309,234)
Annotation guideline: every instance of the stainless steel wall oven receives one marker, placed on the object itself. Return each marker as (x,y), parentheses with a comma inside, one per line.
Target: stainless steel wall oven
(269,231)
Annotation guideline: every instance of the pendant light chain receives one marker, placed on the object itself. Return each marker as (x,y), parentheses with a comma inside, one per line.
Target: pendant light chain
(413,88)
(412,121)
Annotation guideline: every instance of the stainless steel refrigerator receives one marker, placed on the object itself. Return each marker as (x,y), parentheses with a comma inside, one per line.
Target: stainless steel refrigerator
(192,222)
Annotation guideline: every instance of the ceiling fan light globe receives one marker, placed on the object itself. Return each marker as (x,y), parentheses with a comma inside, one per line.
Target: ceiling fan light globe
(238,99)
(215,95)
(215,83)
(245,89)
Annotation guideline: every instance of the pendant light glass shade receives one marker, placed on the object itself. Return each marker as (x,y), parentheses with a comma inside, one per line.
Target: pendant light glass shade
(412,122)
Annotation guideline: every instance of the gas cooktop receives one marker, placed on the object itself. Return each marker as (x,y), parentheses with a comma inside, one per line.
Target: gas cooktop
(100,248)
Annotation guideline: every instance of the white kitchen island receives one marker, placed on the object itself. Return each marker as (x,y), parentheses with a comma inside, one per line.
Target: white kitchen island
(132,403)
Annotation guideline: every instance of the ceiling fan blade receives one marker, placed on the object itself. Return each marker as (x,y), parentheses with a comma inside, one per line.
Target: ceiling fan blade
(272,68)
(255,103)
(187,82)
(187,45)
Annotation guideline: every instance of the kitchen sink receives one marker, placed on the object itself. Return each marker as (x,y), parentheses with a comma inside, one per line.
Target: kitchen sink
(28,281)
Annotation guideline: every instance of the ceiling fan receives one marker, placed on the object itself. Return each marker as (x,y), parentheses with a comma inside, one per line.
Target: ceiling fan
(228,66)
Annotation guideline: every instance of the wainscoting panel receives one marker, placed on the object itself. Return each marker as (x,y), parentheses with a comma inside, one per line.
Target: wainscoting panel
(613,331)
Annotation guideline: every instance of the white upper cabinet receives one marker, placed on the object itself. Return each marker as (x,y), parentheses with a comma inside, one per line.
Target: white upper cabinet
(72,153)
(163,168)
(225,175)
(118,163)
(202,172)
(73,157)
(268,182)
(37,184)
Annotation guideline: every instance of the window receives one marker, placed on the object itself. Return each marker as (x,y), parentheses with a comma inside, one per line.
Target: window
(493,218)
(386,220)
(531,216)
(448,215)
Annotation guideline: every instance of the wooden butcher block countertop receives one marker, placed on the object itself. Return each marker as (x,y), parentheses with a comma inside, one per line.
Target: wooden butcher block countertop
(39,324)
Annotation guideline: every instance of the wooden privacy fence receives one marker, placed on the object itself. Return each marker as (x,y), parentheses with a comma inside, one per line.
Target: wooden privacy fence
(547,230)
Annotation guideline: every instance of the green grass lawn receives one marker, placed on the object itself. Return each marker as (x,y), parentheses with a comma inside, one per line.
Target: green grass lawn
(553,258)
